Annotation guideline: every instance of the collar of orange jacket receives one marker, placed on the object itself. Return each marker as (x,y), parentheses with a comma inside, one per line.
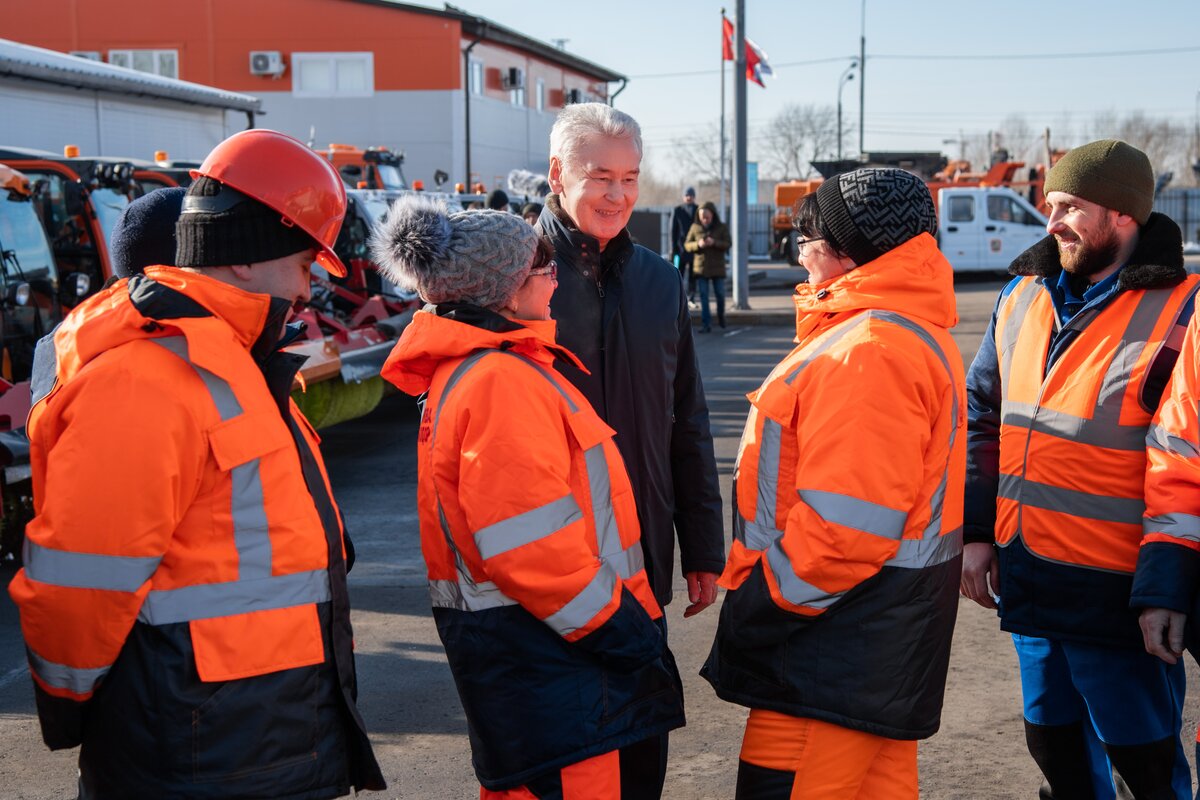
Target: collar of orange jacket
(244,312)
(431,339)
(914,279)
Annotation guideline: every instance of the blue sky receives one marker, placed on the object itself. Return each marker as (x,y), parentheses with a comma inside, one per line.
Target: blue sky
(936,69)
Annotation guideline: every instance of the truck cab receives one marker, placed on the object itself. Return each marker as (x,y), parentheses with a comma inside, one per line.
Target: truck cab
(983,228)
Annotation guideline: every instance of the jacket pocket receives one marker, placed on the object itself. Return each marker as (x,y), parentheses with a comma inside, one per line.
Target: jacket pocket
(255,725)
(256,643)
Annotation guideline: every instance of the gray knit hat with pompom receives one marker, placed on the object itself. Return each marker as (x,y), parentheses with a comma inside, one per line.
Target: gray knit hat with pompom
(477,257)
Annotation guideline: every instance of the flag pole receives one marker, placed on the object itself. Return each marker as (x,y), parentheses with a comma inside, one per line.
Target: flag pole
(741,239)
(723,205)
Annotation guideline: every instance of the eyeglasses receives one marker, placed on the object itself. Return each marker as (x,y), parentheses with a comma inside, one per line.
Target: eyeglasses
(546,268)
(802,242)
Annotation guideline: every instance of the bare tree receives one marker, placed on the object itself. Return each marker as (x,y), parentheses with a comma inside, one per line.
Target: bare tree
(796,136)
(1165,143)
(697,154)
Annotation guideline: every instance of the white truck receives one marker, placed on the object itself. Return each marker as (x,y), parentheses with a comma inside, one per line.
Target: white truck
(983,228)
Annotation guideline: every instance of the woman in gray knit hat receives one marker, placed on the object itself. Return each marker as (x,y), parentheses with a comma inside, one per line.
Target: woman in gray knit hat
(528,527)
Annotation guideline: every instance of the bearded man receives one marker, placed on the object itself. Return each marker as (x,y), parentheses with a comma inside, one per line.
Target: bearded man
(1060,397)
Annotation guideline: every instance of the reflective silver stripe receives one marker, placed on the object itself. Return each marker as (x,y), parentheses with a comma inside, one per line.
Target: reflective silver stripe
(467,596)
(757,537)
(927,552)
(87,570)
(1103,508)
(862,515)
(1026,293)
(1159,438)
(795,589)
(585,605)
(771,442)
(60,676)
(247,502)
(1133,341)
(529,526)
(628,562)
(207,600)
(1131,438)
(1178,525)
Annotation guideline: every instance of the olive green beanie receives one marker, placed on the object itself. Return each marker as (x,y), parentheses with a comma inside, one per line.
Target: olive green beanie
(1109,172)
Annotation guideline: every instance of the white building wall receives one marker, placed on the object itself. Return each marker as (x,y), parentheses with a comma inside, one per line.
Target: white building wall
(48,118)
(428,126)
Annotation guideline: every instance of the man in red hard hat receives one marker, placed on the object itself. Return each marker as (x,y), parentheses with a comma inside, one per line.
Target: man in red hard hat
(183,600)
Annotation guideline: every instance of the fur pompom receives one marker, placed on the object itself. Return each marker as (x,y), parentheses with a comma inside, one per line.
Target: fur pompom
(413,241)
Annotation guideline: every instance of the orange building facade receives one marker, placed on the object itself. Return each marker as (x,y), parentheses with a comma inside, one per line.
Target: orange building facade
(364,72)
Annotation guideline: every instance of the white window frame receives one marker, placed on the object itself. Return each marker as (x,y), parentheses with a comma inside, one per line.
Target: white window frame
(115,56)
(517,97)
(475,77)
(541,94)
(365,58)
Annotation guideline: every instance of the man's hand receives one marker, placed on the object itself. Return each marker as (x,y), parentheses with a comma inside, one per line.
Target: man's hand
(1162,632)
(980,573)
(702,591)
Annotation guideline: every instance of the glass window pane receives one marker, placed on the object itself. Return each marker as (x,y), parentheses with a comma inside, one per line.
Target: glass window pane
(168,65)
(313,75)
(143,61)
(118,58)
(352,76)
(962,209)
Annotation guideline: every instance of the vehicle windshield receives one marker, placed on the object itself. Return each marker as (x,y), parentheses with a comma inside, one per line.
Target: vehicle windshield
(391,176)
(21,235)
(108,204)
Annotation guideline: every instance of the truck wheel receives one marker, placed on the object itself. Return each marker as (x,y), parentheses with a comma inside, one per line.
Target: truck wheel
(791,249)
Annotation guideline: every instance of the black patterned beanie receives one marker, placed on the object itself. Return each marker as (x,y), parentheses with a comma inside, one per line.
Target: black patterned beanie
(871,211)
(477,257)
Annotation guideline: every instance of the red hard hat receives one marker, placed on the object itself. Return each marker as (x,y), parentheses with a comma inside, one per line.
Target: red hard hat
(281,173)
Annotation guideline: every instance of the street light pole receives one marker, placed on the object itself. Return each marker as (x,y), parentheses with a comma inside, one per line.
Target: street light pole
(862,78)
(847,76)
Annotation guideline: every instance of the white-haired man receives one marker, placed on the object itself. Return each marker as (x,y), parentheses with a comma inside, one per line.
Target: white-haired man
(622,309)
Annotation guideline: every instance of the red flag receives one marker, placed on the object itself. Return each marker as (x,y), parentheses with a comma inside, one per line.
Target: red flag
(756,60)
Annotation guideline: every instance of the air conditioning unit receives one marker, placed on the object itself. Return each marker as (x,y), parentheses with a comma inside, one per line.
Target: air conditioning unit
(574,96)
(266,62)
(90,55)
(514,78)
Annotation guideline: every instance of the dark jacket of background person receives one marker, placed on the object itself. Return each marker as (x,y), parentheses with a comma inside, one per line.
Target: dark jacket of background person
(708,261)
(624,313)
(682,218)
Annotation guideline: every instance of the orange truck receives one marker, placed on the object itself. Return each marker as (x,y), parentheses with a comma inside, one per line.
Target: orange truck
(367,168)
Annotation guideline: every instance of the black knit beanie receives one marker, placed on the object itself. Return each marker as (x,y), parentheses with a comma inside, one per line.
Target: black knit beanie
(868,212)
(1109,172)
(144,234)
(219,227)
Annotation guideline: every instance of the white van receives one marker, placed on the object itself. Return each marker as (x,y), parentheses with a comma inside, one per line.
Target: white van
(983,228)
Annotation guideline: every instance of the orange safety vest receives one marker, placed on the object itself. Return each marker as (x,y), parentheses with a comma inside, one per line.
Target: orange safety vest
(226,538)
(1072,437)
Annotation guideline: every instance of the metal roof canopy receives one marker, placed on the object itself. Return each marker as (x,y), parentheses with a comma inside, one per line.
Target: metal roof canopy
(50,66)
(475,26)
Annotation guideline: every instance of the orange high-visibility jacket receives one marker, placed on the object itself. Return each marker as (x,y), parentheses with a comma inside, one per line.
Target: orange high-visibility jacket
(848,490)
(532,544)
(1072,436)
(185,542)
(1168,567)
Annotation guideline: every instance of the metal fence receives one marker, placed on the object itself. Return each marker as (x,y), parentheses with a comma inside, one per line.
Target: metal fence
(1183,206)
(759,223)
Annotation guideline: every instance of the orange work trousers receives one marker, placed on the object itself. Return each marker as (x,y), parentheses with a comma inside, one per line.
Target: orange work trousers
(595,778)
(789,758)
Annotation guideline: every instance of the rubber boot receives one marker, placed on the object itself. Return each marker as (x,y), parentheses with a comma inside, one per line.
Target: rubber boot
(1146,768)
(762,783)
(1061,754)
